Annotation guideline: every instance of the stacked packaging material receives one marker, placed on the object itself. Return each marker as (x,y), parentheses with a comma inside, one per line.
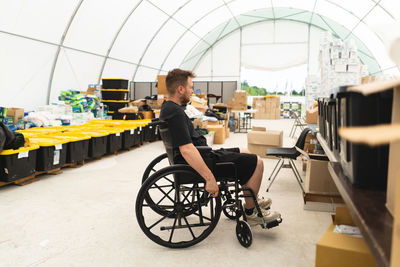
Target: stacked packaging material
(339,64)
(80,102)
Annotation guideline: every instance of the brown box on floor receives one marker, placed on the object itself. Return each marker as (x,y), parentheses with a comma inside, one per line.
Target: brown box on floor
(219,133)
(161,85)
(16,113)
(259,141)
(312,116)
(335,249)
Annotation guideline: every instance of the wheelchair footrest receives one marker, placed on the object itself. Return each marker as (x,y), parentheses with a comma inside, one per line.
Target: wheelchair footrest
(271,224)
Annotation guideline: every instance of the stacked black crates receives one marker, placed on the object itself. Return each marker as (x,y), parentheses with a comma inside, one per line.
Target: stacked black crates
(365,166)
(115,94)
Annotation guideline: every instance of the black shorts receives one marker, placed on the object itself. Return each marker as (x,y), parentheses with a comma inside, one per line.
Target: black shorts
(245,163)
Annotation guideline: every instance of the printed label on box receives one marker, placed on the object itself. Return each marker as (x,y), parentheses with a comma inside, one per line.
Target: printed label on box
(56,158)
(117,134)
(140,128)
(132,131)
(23,154)
(58,147)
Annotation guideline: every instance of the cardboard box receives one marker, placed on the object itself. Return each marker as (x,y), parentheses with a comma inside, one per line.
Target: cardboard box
(335,249)
(258,128)
(200,123)
(155,104)
(318,178)
(259,141)
(138,102)
(16,113)
(161,85)
(312,116)
(148,115)
(219,133)
(381,134)
(156,113)
(322,202)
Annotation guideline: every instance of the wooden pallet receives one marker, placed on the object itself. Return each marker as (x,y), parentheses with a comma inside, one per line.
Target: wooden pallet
(22,181)
(53,171)
(77,164)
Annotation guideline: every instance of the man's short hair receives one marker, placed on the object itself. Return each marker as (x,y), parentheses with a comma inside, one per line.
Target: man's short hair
(177,77)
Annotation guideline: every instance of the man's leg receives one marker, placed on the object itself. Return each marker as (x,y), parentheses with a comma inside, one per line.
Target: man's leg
(254,182)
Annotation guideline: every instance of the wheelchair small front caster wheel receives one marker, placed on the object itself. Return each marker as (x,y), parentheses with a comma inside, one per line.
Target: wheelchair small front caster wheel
(244,234)
(230,209)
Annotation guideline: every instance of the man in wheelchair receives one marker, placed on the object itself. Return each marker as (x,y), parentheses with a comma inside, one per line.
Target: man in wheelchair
(185,139)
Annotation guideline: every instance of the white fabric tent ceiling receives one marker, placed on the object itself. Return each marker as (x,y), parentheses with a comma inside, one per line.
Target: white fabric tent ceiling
(51,45)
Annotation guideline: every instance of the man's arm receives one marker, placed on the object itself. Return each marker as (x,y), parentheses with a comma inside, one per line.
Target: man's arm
(193,157)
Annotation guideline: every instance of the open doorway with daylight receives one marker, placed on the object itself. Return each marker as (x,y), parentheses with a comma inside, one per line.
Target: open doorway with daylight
(287,83)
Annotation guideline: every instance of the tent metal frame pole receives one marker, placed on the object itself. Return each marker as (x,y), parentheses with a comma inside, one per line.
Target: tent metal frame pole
(59,49)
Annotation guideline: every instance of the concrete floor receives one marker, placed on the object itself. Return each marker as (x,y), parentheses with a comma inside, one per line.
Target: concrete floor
(85,217)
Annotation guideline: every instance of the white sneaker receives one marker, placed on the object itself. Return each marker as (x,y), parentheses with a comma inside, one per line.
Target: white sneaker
(268,216)
(264,203)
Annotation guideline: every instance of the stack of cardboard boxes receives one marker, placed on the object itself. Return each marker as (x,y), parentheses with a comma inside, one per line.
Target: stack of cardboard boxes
(337,249)
(268,108)
(259,140)
(239,102)
(220,129)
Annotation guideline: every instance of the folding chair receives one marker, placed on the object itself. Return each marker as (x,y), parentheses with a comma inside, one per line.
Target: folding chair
(298,122)
(291,154)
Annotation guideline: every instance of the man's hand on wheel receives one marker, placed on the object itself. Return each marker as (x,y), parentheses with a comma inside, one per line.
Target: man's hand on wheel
(212,187)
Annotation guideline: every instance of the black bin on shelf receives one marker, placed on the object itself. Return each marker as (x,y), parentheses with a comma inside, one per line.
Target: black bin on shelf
(17,164)
(365,166)
(97,144)
(114,105)
(321,121)
(51,155)
(115,83)
(124,116)
(114,141)
(115,94)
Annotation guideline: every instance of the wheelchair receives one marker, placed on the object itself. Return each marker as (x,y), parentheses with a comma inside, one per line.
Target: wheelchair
(173,208)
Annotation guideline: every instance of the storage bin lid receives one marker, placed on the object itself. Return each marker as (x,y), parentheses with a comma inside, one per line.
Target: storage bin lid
(94,133)
(21,149)
(76,135)
(48,141)
(39,130)
(118,90)
(115,101)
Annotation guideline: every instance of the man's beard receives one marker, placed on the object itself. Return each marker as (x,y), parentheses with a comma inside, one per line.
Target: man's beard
(184,100)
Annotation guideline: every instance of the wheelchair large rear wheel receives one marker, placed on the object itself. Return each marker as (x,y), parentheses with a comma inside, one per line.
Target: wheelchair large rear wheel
(189,213)
(155,165)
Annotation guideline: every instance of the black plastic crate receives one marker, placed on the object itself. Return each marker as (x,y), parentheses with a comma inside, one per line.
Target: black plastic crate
(321,121)
(115,94)
(97,146)
(128,138)
(114,106)
(329,107)
(365,166)
(124,116)
(78,151)
(114,142)
(15,166)
(51,157)
(115,83)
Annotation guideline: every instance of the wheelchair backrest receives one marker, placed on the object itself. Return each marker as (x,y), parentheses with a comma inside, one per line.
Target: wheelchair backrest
(167,142)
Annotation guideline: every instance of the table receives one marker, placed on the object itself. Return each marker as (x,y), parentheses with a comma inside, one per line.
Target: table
(244,119)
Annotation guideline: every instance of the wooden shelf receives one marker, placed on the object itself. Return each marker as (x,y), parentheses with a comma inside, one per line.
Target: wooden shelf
(369,213)
(325,146)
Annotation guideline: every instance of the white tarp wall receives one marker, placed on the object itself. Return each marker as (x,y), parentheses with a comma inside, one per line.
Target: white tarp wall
(51,45)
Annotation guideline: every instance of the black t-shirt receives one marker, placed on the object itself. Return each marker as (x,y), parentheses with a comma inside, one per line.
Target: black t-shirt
(180,127)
